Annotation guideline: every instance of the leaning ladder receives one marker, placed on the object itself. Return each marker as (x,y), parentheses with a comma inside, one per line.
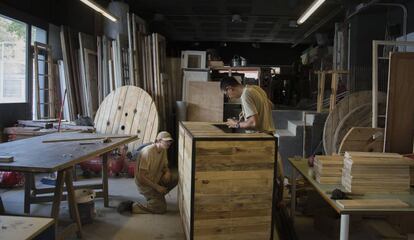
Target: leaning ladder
(42,56)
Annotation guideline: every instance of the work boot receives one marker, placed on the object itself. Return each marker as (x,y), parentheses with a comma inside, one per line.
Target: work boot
(125,206)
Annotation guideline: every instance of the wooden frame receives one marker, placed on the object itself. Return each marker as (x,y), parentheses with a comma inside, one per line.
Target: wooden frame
(321,88)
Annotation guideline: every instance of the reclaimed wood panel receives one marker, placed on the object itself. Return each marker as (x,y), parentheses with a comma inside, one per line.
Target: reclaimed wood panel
(227,194)
(205,102)
(185,179)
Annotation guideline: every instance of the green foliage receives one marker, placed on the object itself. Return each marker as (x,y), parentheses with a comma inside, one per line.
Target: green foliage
(18,29)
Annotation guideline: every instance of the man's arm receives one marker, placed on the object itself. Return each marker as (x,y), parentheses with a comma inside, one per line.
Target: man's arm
(250,123)
(143,179)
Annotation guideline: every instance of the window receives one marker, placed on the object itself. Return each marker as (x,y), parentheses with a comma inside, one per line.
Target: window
(39,35)
(13,54)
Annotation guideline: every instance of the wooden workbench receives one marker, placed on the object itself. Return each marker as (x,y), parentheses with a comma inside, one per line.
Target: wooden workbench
(226,182)
(301,166)
(18,228)
(33,155)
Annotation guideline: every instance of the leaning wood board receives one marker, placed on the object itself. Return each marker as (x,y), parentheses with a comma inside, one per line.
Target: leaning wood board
(400,109)
(372,203)
(128,110)
(225,183)
(205,102)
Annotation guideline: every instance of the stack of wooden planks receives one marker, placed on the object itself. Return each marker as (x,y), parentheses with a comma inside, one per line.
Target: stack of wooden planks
(94,66)
(328,169)
(366,172)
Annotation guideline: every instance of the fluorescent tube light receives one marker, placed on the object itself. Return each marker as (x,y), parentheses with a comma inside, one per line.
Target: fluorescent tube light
(312,8)
(99,9)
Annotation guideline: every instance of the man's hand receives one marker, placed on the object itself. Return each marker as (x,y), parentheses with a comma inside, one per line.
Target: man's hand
(231,123)
(161,189)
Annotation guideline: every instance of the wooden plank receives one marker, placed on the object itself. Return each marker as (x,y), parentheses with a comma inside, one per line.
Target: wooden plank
(363,139)
(119,112)
(358,117)
(400,111)
(341,109)
(205,102)
(17,227)
(91,74)
(321,90)
(372,203)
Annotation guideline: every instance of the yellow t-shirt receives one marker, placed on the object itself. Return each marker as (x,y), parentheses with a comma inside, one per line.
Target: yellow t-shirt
(153,162)
(254,101)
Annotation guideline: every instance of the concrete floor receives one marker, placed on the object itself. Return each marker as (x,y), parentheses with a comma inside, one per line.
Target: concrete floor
(109,224)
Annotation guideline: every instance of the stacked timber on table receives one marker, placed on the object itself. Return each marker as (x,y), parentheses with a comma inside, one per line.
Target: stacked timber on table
(365,172)
(328,169)
(225,182)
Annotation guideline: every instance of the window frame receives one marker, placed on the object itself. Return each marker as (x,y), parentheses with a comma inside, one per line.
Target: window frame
(9,12)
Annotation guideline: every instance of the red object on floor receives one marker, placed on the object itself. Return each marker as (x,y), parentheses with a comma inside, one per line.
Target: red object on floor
(93,165)
(115,165)
(11,179)
(131,169)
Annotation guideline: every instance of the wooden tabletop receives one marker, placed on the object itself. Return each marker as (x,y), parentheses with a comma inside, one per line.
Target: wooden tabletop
(32,155)
(17,228)
(211,130)
(301,165)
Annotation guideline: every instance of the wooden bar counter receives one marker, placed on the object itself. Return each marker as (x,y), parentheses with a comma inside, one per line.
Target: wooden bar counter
(226,182)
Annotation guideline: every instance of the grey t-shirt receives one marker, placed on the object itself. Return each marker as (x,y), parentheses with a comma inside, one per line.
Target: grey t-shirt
(254,101)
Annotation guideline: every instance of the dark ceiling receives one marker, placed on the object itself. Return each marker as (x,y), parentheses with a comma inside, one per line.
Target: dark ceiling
(211,20)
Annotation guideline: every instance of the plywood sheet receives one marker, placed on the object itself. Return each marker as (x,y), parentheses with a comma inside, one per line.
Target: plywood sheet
(399,128)
(205,102)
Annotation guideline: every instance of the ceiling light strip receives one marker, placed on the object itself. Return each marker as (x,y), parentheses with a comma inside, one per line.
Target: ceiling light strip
(312,8)
(99,9)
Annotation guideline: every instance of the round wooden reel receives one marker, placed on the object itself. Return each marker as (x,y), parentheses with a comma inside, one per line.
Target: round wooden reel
(128,110)
(360,139)
(341,111)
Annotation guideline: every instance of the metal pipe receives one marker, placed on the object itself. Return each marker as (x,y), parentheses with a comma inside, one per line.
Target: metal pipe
(344,232)
(404,9)
(317,26)
(375,2)
(363,6)
(374,83)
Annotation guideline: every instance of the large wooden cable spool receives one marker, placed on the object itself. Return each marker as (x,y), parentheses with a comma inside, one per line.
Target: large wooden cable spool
(128,110)
(363,139)
(341,119)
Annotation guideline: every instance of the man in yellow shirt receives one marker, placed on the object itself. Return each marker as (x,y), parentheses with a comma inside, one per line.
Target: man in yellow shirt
(256,107)
(153,177)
